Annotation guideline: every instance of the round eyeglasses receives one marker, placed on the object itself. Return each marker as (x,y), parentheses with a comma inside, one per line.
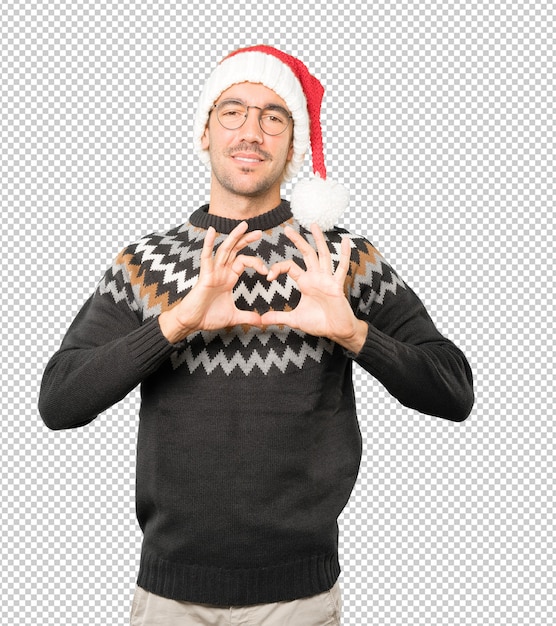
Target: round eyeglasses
(232,114)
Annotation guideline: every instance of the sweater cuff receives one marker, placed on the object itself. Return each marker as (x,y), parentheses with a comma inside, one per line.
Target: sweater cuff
(148,347)
(378,351)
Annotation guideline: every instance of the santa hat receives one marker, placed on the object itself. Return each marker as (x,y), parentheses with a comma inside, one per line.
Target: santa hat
(317,199)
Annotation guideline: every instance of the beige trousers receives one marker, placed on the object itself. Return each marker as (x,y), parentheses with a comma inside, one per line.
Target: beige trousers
(323,609)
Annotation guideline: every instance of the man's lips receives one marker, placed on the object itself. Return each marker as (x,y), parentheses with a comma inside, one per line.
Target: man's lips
(245,157)
(248,154)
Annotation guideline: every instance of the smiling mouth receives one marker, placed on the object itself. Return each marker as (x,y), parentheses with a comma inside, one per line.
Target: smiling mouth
(247,159)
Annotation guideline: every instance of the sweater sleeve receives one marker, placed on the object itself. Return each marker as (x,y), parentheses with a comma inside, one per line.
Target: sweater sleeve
(106,353)
(404,350)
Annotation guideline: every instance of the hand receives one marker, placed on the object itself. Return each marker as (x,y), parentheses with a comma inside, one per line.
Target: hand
(210,304)
(323,309)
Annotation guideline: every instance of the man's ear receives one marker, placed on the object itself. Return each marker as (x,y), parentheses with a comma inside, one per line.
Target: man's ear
(205,139)
(290,152)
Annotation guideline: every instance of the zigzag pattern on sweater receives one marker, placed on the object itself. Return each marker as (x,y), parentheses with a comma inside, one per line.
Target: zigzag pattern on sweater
(369,269)
(278,348)
(152,275)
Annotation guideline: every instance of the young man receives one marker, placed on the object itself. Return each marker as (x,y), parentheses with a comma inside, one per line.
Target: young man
(241,326)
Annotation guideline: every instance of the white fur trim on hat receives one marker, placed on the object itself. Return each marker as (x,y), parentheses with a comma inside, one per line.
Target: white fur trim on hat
(257,67)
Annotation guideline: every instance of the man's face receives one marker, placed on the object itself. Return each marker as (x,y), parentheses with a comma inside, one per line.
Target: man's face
(246,161)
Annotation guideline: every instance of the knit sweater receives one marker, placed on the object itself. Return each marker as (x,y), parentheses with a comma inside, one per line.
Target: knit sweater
(248,444)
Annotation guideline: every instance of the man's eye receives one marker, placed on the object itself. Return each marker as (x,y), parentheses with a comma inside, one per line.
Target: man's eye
(231,112)
(273,119)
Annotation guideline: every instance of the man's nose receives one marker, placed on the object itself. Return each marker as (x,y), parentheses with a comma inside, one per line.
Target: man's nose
(251,129)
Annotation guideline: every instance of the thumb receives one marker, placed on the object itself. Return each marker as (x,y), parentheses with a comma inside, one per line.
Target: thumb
(277,318)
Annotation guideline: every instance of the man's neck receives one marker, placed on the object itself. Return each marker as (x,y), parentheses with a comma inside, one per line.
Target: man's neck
(239,207)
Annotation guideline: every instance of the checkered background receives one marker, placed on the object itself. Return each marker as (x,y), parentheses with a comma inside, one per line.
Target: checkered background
(439,117)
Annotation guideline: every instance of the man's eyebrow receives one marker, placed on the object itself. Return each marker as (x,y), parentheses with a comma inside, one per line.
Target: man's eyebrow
(275,107)
(271,105)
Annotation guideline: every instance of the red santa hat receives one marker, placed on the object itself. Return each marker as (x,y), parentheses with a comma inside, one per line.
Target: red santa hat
(317,199)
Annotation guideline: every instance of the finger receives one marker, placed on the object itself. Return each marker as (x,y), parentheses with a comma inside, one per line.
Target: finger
(309,254)
(226,248)
(277,318)
(208,245)
(289,267)
(250,318)
(345,257)
(235,242)
(243,261)
(325,259)
(248,238)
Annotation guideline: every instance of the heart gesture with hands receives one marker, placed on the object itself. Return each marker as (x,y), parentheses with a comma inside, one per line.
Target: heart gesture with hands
(323,309)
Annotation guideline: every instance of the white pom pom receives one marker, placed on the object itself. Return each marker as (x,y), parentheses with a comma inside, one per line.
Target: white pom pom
(318,201)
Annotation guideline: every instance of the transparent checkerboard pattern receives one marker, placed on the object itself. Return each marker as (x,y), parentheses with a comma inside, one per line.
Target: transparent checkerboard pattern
(439,118)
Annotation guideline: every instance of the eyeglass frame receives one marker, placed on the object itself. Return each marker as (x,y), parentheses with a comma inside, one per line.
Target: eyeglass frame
(277,107)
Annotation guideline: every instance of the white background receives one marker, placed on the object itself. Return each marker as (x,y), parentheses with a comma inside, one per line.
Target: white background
(439,117)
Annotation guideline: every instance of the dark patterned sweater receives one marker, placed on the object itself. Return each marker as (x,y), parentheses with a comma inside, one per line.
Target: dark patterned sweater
(248,444)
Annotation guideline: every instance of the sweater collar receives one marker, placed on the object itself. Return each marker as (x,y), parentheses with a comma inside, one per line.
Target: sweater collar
(201,218)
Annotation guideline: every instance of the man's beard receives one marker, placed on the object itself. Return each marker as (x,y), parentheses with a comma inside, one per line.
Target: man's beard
(231,183)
